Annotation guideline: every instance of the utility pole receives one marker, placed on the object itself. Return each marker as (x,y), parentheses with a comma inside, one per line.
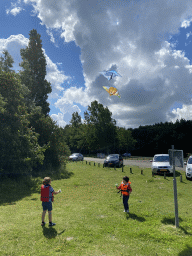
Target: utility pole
(175,189)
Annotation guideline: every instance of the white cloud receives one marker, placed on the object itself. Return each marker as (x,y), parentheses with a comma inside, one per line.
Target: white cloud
(13,44)
(182,113)
(14,11)
(54,75)
(58,15)
(186,23)
(68,26)
(66,107)
(131,37)
(188,35)
(72,96)
(13,41)
(59,119)
(51,35)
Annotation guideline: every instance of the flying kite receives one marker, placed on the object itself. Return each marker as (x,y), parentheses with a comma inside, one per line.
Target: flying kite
(110,74)
(112,91)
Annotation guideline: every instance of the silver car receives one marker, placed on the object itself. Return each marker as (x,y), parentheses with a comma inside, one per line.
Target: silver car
(160,164)
(188,171)
(76,157)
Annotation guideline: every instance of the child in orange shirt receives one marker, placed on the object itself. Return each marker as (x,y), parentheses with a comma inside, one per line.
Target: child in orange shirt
(125,189)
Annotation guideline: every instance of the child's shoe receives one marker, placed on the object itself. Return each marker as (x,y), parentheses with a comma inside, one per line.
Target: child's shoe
(51,224)
(43,223)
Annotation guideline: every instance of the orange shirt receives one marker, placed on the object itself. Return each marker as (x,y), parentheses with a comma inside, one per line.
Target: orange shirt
(125,188)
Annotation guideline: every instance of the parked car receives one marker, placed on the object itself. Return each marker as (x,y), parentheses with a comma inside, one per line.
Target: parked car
(188,171)
(113,160)
(76,157)
(127,154)
(160,164)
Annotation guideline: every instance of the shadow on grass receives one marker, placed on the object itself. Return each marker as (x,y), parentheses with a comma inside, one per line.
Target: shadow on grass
(54,173)
(171,221)
(16,188)
(134,217)
(12,190)
(186,252)
(51,232)
(177,174)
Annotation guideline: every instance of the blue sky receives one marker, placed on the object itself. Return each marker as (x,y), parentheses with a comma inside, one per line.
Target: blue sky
(147,42)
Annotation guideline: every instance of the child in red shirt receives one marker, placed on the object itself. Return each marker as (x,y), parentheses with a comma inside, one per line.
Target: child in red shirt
(47,193)
(125,190)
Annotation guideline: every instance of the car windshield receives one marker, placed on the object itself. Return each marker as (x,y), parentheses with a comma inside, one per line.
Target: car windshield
(112,156)
(75,154)
(190,161)
(161,159)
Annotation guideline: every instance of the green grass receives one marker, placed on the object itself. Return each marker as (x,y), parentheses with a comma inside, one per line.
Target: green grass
(90,218)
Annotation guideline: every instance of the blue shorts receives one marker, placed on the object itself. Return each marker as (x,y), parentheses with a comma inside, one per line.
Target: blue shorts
(47,206)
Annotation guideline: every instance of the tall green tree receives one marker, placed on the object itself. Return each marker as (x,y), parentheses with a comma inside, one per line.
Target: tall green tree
(34,72)
(99,119)
(2,104)
(51,136)
(75,120)
(75,135)
(6,62)
(125,140)
(19,146)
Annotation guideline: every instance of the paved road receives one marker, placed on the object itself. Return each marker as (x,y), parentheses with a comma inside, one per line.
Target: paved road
(140,163)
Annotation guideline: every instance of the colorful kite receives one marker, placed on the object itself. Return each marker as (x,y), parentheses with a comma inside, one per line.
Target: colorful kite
(110,74)
(112,91)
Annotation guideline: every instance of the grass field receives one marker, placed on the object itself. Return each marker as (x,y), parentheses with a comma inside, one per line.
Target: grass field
(89,215)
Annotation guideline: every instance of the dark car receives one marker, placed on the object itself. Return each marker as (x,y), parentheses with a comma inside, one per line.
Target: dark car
(127,154)
(113,160)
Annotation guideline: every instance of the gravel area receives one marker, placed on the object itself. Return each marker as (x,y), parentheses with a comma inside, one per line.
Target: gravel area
(140,163)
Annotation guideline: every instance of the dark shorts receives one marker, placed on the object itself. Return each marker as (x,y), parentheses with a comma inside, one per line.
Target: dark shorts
(47,206)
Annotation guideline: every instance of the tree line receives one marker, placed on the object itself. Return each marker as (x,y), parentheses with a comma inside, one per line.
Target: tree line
(31,141)
(158,138)
(99,134)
